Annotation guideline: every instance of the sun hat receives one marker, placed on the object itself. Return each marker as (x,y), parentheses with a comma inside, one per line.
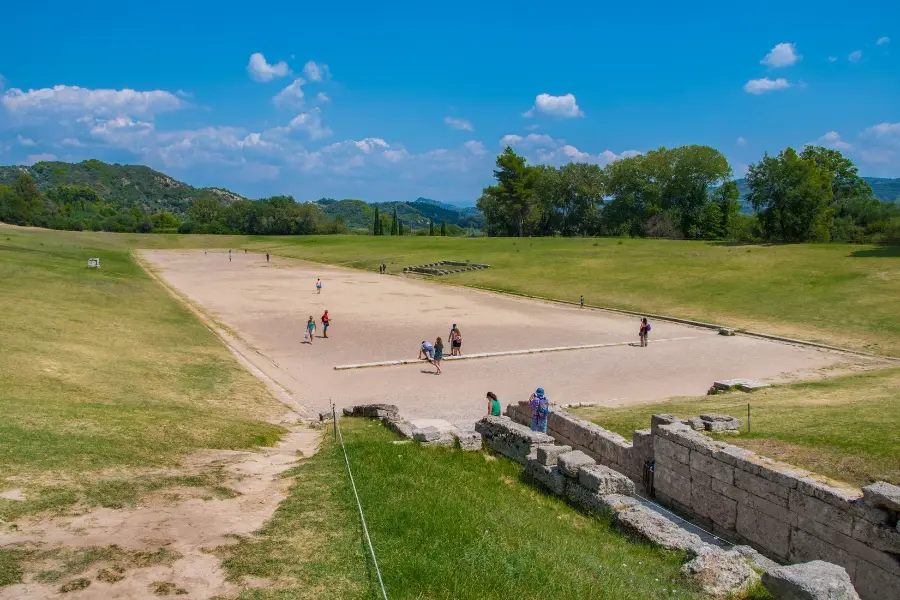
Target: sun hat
(540,391)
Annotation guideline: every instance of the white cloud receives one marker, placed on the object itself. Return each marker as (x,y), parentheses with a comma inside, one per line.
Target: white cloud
(73,142)
(883,41)
(832,59)
(316,72)
(510,139)
(24,141)
(832,139)
(458,123)
(260,70)
(475,147)
(761,86)
(533,127)
(74,99)
(183,94)
(782,55)
(741,141)
(311,123)
(322,98)
(291,96)
(541,148)
(855,56)
(34,158)
(885,131)
(557,106)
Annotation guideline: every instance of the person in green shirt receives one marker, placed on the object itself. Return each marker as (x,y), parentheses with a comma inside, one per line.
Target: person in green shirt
(493,404)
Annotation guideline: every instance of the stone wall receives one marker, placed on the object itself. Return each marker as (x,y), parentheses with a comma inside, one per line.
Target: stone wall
(786,513)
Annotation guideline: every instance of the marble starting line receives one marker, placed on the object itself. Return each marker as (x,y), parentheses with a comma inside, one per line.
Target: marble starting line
(411,361)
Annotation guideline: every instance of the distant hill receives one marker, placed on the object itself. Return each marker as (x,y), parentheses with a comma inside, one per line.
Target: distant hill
(119,185)
(417,214)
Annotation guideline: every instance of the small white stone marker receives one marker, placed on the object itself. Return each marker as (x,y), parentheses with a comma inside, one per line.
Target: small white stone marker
(94,263)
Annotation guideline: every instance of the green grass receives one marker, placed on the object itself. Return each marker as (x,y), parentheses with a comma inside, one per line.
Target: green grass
(833,293)
(844,428)
(444,524)
(107,377)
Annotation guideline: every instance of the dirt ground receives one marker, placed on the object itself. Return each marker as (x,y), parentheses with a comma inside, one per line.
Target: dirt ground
(265,307)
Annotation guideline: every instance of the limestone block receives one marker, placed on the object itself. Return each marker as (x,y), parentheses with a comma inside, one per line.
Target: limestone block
(699,479)
(757,560)
(550,477)
(664,463)
(571,462)
(719,509)
(604,480)
(618,502)
(882,494)
(735,456)
(662,419)
(874,583)
(426,434)
(695,423)
(886,539)
(653,527)
(685,436)
(816,580)
(722,425)
(805,547)
(853,547)
(712,467)
(720,574)
(469,441)
(765,489)
(547,454)
(673,485)
(373,410)
(833,517)
(668,448)
(832,494)
(761,529)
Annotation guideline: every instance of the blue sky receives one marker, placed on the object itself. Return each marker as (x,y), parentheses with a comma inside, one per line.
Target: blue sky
(416,99)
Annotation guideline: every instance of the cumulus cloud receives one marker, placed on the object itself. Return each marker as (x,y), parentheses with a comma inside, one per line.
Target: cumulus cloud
(764,85)
(291,96)
(322,98)
(541,148)
(311,123)
(885,131)
(316,72)
(34,158)
(260,70)
(74,99)
(458,123)
(832,59)
(73,142)
(557,106)
(782,55)
(855,56)
(883,41)
(475,147)
(741,141)
(832,139)
(24,141)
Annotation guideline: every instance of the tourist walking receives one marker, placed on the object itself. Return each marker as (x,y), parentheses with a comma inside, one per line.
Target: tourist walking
(644,332)
(493,407)
(229,255)
(540,408)
(318,286)
(310,329)
(326,321)
(582,301)
(267,256)
(455,341)
(438,355)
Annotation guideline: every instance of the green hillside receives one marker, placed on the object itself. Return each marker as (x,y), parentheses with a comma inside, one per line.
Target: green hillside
(418,214)
(883,188)
(121,186)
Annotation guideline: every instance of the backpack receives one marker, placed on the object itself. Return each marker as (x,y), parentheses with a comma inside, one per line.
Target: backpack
(648,326)
(543,407)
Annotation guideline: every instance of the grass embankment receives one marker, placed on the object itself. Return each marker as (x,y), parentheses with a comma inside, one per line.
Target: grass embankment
(445,524)
(106,378)
(844,428)
(838,294)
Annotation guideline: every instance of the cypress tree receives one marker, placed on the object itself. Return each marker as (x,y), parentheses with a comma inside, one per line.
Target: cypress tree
(399,227)
(376,228)
(431,227)
(394,228)
(443,227)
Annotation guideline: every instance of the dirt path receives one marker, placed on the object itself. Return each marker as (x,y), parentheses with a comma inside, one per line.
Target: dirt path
(381,317)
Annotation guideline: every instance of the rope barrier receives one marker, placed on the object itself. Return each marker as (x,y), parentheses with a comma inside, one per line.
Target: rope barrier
(362,517)
(683,520)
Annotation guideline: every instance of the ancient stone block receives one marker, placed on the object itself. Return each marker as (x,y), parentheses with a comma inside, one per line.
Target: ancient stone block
(816,580)
(833,517)
(757,560)
(735,456)
(886,539)
(882,494)
(469,441)
(695,423)
(685,436)
(662,419)
(874,583)
(806,547)
(719,509)
(853,547)
(653,527)
(618,502)
(832,494)
(756,485)
(510,439)
(571,462)
(769,508)
(673,485)
(663,463)
(604,480)
(700,479)
(761,529)
(712,467)
(670,449)
(720,574)
(426,434)
(550,477)
(547,454)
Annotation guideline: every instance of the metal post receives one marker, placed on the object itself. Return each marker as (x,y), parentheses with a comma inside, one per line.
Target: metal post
(334,420)
(748,417)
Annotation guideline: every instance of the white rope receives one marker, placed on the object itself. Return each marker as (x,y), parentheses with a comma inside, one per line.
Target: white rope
(362,517)
(683,520)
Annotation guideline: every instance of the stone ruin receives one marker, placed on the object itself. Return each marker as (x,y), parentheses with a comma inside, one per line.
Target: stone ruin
(445,267)
(845,543)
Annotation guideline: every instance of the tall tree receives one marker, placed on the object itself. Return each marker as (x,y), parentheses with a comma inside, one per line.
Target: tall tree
(395,229)
(376,227)
(431,227)
(443,227)
(512,198)
(791,196)
(399,227)
(845,180)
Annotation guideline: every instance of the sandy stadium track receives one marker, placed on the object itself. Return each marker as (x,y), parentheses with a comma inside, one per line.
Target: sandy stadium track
(383,317)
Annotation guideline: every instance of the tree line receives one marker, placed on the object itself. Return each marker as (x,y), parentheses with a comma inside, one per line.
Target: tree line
(689,192)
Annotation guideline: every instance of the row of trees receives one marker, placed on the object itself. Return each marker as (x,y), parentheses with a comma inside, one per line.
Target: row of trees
(380,225)
(689,192)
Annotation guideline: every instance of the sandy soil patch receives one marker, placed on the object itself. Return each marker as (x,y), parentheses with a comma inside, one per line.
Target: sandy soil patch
(382,317)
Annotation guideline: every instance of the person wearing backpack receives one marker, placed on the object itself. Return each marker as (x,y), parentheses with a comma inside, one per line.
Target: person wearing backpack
(645,330)
(540,408)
